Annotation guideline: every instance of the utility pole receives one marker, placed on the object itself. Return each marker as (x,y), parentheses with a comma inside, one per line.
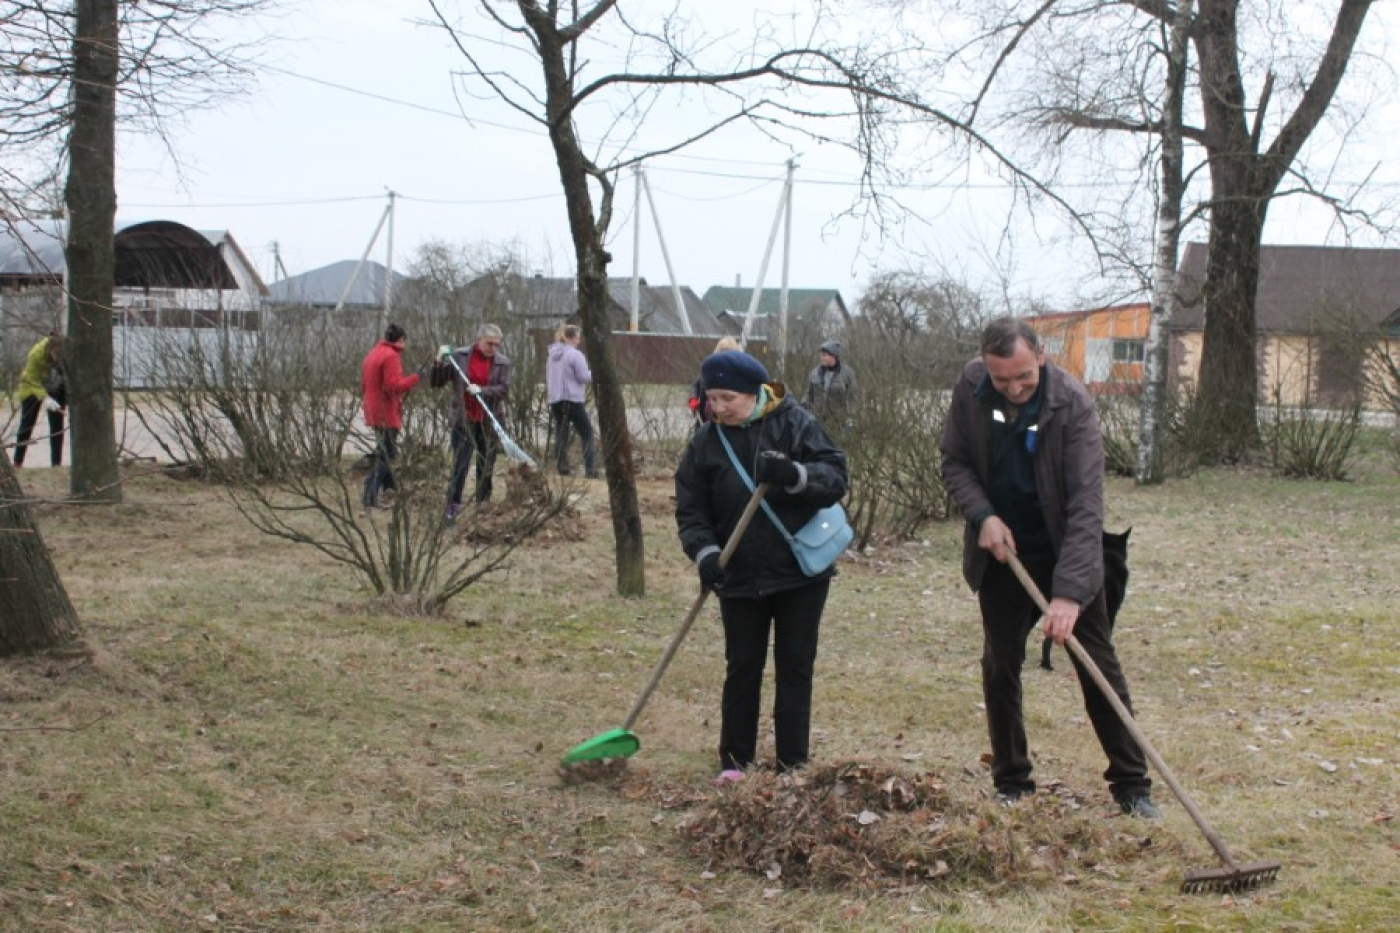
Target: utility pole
(767,255)
(666,257)
(389,268)
(636,245)
(787,256)
(277,268)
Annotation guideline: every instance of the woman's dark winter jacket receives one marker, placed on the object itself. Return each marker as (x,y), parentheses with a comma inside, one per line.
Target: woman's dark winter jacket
(710,495)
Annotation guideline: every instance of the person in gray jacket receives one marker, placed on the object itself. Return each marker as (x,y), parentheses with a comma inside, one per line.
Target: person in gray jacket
(1023,458)
(831,388)
(566,377)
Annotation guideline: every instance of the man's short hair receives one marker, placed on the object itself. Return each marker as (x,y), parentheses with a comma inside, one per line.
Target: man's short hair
(394,333)
(1000,336)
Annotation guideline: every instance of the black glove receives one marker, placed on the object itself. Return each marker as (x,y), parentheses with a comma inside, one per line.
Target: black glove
(776,469)
(711,573)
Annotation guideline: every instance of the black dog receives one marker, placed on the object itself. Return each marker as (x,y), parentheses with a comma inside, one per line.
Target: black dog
(1115,584)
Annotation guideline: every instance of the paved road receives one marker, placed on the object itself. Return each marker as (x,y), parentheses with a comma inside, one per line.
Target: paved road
(135,442)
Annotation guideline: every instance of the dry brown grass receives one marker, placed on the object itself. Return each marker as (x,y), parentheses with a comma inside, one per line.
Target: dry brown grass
(252,746)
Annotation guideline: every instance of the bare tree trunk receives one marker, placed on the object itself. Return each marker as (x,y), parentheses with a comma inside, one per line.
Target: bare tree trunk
(592,258)
(35,613)
(613,430)
(1154,388)
(91,198)
(1228,394)
(1243,179)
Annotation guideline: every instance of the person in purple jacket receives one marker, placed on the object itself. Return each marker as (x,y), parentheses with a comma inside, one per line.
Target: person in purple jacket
(566,374)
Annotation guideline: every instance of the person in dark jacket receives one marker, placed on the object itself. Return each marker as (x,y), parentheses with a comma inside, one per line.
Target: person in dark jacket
(831,388)
(384,385)
(763,589)
(487,382)
(1023,458)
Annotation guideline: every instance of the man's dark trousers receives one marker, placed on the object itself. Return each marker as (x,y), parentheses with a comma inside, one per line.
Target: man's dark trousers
(472,440)
(381,476)
(1008,615)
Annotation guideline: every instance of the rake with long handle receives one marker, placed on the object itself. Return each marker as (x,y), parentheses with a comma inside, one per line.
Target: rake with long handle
(512,449)
(1234,876)
(623,743)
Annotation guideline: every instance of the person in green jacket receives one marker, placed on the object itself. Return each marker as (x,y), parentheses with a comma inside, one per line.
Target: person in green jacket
(42,385)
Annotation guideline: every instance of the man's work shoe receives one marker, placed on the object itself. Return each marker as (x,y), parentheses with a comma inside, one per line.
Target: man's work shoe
(1140,806)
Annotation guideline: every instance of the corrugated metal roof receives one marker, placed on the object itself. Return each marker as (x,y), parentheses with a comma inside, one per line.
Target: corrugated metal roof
(30,248)
(657,312)
(1302,288)
(149,253)
(322,288)
(802,302)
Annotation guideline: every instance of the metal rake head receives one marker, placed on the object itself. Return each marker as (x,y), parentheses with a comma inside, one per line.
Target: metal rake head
(1229,880)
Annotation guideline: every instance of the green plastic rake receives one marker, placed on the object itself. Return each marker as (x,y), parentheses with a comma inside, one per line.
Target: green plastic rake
(623,742)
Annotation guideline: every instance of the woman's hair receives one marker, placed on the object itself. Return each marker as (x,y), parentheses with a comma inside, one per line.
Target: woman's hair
(488,330)
(566,332)
(727,343)
(54,348)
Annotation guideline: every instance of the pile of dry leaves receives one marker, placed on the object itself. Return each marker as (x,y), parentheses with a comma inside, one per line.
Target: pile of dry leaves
(865,825)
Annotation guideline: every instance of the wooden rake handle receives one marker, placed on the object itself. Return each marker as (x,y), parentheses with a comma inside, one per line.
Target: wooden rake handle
(1111,695)
(729,547)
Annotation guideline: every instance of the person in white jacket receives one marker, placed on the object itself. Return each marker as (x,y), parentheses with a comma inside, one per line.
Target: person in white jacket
(566,374)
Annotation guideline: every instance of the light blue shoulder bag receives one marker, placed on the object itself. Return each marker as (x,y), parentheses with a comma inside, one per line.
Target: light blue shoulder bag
(817,544)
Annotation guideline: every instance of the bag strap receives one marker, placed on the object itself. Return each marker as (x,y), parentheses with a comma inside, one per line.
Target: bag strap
(749,483)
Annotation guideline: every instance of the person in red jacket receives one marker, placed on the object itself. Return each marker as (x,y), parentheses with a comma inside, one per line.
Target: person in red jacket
(384,385)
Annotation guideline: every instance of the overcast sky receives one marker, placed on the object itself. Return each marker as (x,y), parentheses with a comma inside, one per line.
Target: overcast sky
(357,100)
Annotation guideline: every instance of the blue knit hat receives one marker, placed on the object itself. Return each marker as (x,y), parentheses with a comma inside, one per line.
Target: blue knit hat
(734,370)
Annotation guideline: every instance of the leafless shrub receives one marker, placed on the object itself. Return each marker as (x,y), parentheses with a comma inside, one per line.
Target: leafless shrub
(1311,443)
(243,405)
(272,417)
(1382,382)
(907,349)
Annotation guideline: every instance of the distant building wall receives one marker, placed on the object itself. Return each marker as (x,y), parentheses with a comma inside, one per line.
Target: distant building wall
(658,359)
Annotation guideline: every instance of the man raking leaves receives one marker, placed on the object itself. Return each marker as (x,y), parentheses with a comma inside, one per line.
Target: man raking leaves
(1023,458)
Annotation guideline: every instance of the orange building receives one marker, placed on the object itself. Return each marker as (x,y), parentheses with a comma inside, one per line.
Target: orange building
(1102,348)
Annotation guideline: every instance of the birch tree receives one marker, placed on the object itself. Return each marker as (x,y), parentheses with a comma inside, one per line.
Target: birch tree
(1155,357)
